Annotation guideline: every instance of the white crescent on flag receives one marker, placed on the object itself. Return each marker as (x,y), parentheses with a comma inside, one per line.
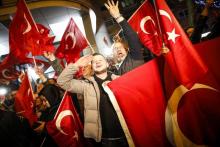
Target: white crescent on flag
(28,25)
(5,75)
(164,13)
(171,35)
(143,21)
(60,117)
(173,131)
(72,36)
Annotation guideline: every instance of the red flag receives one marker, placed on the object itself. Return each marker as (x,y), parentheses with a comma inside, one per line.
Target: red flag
(66,128)
(7,70)
(72,43)
(21,32)
(24,101)
(210,51)
(143,21)
(184,61)
(180,117)
(45,41)
(24,36)
(193,115)
(142,104)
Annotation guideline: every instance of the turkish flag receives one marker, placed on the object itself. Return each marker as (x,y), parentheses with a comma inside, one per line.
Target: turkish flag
(183,59)
(210,53)
(24,101)
(26,36)
(161,112)
(72,43)
(193,115)
(143,104)
(66,128)
(143,21)
(7,70)
(21,32)
(44,41)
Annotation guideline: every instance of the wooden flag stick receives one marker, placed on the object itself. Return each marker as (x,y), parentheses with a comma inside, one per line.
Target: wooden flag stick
(90,46)
(43,142)
(158,21)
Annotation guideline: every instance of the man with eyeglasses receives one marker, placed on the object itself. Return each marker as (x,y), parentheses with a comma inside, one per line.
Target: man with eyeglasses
(128,56)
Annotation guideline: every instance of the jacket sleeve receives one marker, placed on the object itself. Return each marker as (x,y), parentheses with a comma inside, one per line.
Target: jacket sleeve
(134,43)
(67,82)
(56,66)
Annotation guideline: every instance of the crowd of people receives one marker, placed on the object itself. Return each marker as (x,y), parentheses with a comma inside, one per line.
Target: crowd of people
(103,129)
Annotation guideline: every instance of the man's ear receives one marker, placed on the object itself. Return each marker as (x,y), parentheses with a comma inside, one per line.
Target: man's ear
(107,64)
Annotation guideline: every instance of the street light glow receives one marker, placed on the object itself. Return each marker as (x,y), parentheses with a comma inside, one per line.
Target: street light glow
(3,91)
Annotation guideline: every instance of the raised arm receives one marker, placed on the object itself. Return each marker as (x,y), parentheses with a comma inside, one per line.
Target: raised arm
(66,78)
(134,43)
(54,62)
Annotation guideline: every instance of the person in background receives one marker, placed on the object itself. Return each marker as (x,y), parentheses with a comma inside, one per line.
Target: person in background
(128,56)
(101,122)
(194,33)
(56,64)
(46,105)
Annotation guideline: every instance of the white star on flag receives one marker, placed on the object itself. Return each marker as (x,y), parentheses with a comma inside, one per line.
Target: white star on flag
(172,35)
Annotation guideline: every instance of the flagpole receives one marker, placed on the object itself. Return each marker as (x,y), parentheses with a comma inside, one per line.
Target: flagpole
(91,48)
(43,142)
(158,23)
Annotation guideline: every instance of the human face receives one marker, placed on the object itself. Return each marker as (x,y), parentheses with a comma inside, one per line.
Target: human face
(99,64)
(41,104)
(119,51)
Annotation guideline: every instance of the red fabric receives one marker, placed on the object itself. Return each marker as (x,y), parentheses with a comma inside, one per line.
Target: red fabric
(24,101)
(210,53)
(7,70)
(143,21)
(72,43)
(70,132)
(142,104)
(198,113)
(184,61)
(45,41)
(24,36)
(21,30)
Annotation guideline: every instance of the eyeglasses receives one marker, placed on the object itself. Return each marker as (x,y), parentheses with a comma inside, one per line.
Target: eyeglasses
(118,47)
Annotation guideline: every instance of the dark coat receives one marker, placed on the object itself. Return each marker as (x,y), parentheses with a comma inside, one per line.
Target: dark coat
(135,56)
(53,95)
(14,131)
(200,25)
